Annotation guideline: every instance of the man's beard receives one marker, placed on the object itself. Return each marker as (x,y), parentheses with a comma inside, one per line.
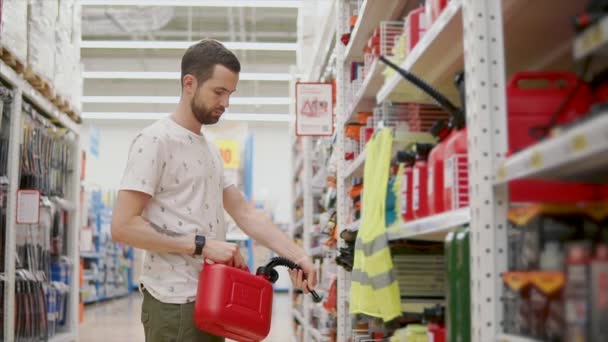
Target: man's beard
(203,114)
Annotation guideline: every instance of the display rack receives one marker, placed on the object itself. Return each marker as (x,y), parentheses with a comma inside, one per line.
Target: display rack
(108,267)
(23,91)
(490,40)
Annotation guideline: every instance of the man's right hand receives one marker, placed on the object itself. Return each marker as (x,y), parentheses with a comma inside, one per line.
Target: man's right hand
(224,253)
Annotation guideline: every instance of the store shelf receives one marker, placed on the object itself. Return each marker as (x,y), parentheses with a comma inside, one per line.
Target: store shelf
(355,169)
(299,224)
(432,228)
(36,98)
(323,45)
(514,338)
(316,334)
(90,255)
(533,44)
(298,316)
(436,58)
(371,13)
(63,337)
(354,226)
(316,251)
(299,192)
(579,153)
(298,166)
(594,39)
(366,97)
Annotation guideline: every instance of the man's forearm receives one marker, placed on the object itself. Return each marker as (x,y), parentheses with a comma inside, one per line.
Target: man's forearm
(140,233)
(264,231)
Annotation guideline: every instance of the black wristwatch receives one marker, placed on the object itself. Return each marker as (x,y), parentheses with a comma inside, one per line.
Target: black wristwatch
(199,242)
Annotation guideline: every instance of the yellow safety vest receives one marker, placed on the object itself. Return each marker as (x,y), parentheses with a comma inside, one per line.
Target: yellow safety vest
(374,290)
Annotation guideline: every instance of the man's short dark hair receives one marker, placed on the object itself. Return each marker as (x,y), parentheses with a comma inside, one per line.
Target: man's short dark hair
(201,58)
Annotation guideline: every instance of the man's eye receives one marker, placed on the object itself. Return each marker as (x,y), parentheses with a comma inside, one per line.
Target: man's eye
(218,92)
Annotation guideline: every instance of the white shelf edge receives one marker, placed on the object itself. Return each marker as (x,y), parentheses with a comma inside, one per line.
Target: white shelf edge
(354,226)
(316,251)
(36,98)
(316,334)
(577,150)
(63,337)
(514,338)
(298,166)
(436,29)
(375,69)
(298,316)
(592,39)
(355,36)
(394,9)
(355,164)
(323,45)
(435,224)
(299,224)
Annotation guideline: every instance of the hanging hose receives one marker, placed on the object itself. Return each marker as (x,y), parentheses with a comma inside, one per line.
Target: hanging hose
(269,271)
(432,92)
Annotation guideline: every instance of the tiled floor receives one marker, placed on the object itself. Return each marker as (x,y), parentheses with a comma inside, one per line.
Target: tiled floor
(118,320)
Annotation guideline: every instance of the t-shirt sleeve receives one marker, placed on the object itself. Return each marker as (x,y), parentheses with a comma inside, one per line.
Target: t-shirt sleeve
(228,178)
(144,166)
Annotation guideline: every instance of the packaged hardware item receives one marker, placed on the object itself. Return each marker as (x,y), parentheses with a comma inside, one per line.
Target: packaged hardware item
(420,181)
(459,280)
(599,293)
(576,298)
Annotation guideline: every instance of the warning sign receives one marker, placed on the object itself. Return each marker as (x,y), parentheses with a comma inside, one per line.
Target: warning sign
(314,109)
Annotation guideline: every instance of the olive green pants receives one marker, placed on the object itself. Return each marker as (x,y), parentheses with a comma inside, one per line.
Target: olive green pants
(171,322)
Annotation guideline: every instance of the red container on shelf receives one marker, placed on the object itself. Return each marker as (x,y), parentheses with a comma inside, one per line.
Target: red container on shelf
(434,9)
(409,159)
(456,171)
(415,26)
(533,98)
(420,204)
(436,167)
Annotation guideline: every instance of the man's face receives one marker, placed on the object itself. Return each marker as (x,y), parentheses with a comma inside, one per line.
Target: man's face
(211,98)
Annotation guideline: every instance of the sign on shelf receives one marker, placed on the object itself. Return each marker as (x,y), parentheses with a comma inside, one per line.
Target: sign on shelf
(314,109)
(28,207)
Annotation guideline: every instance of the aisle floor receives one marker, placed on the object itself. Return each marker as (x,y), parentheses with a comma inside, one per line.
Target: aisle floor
(119,320)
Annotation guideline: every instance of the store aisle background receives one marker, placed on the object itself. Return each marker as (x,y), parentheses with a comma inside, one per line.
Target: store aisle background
(119,320)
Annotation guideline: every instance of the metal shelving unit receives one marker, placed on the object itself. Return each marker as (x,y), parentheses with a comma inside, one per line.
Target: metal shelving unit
(578,152)
(513,338)
(490,40)
(23,91)
(432,228)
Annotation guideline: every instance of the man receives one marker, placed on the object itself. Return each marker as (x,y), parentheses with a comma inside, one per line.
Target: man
(173,195)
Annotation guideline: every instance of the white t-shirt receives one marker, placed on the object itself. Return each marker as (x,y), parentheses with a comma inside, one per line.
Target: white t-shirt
(184,174)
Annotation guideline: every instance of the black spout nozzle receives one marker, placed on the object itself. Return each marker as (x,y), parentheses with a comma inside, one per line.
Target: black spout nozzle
(423,150)
(273,276)
(406,157)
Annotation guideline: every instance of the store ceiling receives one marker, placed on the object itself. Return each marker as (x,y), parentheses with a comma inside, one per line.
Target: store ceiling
(143,74)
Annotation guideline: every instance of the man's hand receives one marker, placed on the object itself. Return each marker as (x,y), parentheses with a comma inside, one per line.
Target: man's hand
(224,253)
(304,278)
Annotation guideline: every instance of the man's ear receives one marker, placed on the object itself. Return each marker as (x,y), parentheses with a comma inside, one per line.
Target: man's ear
(189,83)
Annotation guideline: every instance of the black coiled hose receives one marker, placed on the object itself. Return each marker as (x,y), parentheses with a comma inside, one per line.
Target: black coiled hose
(443,101)
(273,276)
